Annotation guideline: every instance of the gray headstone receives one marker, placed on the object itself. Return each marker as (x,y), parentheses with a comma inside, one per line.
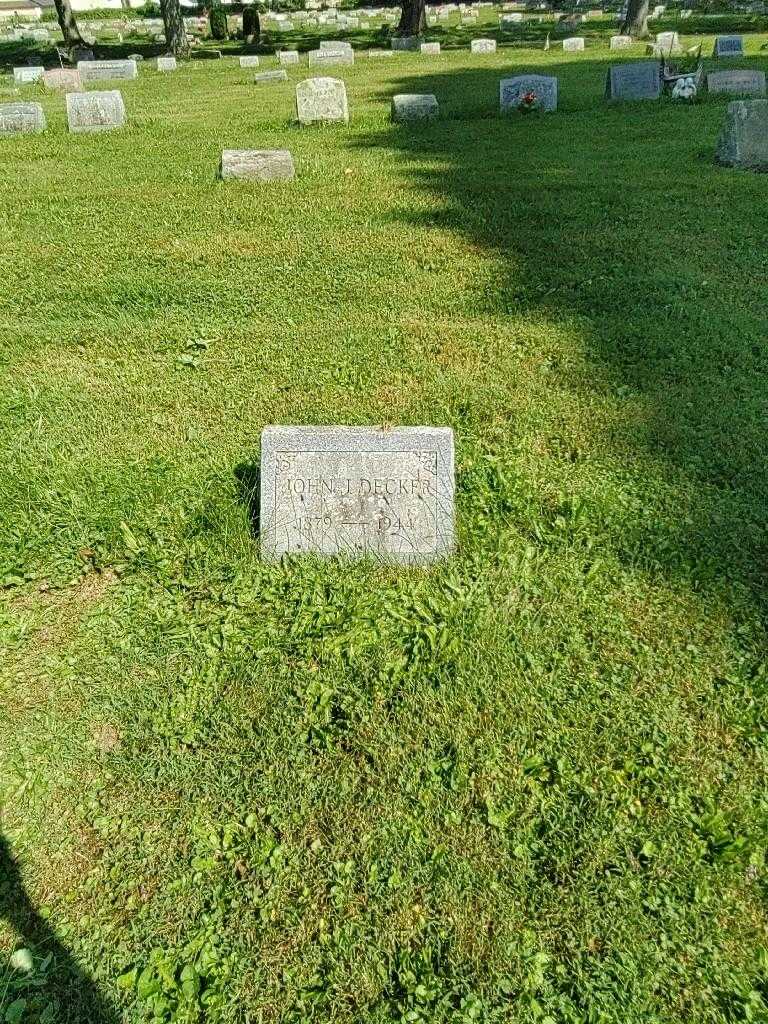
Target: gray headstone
(357,492)
(63,80)
(511,90)
(288,57)
(737,82)
(482,46)
(95,111)
(743,140)
(166,64)
(21,118)
(573,44)
(257,164)
(249,62)
(329,58)
(728,46)
(430,49)
(321,99)
(265,77)
(335,44)
(620,42)
(640,80)
(381,53)
(414,106)
(105,70)
(26,75)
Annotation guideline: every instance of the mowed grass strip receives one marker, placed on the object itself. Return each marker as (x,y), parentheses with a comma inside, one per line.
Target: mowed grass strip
(525,785)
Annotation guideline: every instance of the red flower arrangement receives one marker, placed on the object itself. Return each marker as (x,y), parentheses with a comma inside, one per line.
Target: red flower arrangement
(528,101)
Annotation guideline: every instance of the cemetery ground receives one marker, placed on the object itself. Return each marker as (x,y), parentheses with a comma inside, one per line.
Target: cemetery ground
(526,784)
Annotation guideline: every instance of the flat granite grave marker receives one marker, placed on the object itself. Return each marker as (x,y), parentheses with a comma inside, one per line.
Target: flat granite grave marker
(511,91)
(21,118)
(482,46)
(251,61)
(63,80)
(321,99)
(640,80)
(27,75)
(414,106)
(574,44)
(746,82)
(357,491)
(257,164)
(743,140)
(95,111)
(728,46)
(103,70)
(265,77)
(166,64)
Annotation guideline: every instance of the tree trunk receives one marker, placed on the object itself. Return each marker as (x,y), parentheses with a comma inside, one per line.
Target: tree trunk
(636,22)
(413,18)
(67,24)
(175,33)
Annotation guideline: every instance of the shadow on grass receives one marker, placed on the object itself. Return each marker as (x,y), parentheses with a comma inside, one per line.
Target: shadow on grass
(613,224)
(248,476)
(56,988)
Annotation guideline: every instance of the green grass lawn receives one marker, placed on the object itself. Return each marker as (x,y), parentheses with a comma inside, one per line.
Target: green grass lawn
(526,785)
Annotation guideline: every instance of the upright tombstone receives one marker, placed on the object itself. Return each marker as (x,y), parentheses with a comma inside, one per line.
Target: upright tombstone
(512,90)
(249,61)
(106,70)
(335,44)
(640,80)
(357,492)
(430,49)
(257,164)
(482,46)
(95,111)
(405,42)
(21,119)
(27,75)
(62,80)
(266,77)
(321,99)
(743,140)
(574,44)
(329,58)
(166,64)
(737,82)
(620,42)
(414,106)
(728,46)
(287,57)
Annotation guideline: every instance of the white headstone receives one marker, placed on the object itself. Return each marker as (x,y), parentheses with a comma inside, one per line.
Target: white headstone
(573,44)
(103,70)
(257,164)
(27,75)
(95,111)
(166,64)
(251,61)
(483,46)
(321,99)
(21,118)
